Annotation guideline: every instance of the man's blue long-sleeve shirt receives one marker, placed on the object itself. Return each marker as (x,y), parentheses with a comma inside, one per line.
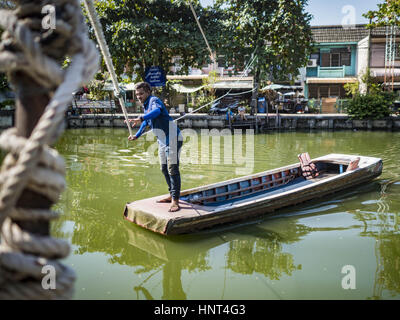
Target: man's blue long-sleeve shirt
(156,116)
(151,115)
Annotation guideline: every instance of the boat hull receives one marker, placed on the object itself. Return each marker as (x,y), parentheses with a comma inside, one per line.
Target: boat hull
(195,217)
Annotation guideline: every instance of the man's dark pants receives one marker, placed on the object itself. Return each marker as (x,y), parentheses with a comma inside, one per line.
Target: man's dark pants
(169,160)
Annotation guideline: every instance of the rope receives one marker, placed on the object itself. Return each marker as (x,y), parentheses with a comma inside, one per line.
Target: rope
(31,163)
(94,20)
(201,30)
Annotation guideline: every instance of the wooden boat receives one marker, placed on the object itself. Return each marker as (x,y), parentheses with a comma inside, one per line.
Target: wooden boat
(244,198)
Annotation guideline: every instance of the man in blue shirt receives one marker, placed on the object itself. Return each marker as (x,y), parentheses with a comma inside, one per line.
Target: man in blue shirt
(168,136)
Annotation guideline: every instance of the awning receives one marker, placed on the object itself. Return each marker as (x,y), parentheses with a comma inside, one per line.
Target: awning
(380,72)
(233,85)
(108,86)
(218,85)
(186,89)
(281,87)
(330,80)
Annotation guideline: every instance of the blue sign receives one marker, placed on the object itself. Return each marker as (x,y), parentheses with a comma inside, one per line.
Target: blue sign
(155,76)
(262,103)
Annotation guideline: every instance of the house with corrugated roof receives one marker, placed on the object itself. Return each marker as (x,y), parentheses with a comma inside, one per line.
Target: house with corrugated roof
(338,58)
(342,55)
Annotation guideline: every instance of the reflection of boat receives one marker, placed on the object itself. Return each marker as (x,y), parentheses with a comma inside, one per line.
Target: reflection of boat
(175,249)
(247,197)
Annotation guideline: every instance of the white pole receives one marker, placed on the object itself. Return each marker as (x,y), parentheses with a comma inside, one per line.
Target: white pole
(106,55)
(204,36)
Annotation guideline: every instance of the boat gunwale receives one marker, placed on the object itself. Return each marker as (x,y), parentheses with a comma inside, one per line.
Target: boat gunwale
(276,170)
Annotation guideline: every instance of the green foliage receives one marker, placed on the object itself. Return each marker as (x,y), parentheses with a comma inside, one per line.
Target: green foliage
(206,95)
(209,82)
(143,33)
(7,104)
(96,91)
(313,106)
(3,83)
(167,93)
(352,89)
(278,31)
(372,106)
(388,13)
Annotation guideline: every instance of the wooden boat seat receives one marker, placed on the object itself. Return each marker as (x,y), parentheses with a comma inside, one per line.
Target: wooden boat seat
(353,165)
(309,170)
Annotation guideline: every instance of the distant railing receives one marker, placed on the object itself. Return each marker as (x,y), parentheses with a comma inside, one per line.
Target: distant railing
(93,106)
(331,72)
(341,105)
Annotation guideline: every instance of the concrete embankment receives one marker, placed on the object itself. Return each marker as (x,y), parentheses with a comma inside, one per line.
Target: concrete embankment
(262,121)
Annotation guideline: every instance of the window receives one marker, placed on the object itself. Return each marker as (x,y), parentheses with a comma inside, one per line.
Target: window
(324,92)
(378,55)
(345,59)
(336,58)
(326,60)
(314,56)
(316,91)
(334,91)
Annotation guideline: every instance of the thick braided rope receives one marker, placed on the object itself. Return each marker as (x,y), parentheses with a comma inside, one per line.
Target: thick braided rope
(32,164)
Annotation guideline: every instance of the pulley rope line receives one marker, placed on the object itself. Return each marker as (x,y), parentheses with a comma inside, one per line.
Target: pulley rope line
(240,93)
(94,20)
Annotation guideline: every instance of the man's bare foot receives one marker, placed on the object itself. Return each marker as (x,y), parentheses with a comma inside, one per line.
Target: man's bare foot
(174,206)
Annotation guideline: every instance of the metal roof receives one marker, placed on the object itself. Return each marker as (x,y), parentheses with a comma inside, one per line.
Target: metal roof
(339,33)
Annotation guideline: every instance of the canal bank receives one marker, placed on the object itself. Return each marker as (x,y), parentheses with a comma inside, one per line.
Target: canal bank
(263,122)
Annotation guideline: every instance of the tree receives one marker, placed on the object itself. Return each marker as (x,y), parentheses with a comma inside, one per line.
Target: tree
(277,31)
(388,13)
(143,33)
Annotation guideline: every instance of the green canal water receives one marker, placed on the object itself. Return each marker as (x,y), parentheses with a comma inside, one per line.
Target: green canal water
(302,252)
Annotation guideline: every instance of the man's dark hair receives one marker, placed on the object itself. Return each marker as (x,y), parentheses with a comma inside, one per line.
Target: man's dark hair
(143,85)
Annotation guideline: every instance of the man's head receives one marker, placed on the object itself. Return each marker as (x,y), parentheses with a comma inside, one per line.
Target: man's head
(143,90)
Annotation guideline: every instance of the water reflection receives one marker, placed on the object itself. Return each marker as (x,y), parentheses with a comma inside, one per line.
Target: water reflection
(262,254)
(267,259)
(383,225)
